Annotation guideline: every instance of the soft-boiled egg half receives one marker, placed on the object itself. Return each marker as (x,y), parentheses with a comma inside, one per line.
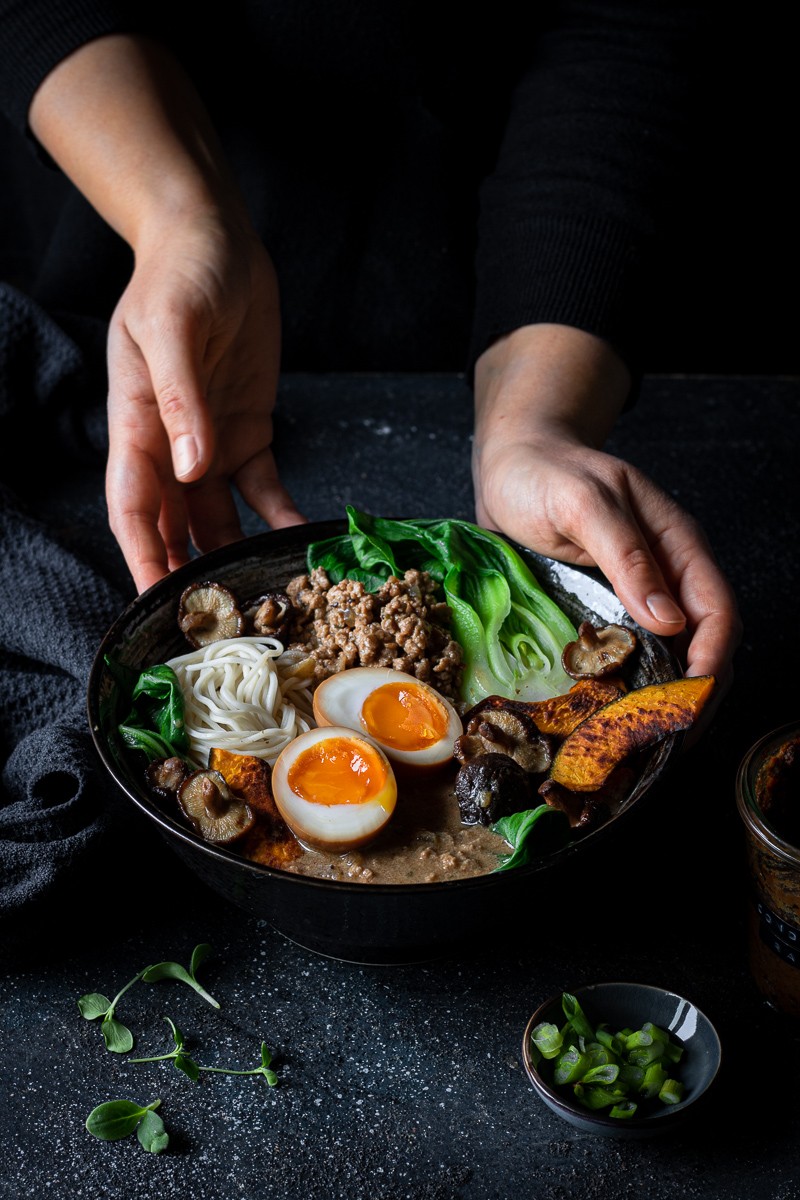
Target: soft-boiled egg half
(410,720)
(334,788)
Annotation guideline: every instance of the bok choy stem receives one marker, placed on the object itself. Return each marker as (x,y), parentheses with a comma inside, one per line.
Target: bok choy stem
(510,631)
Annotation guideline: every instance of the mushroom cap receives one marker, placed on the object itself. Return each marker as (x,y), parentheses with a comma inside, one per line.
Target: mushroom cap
(492,786)
(216,813)
(164,776)
(496,725)
(272,614)
(209,612)
(583,812)
(598,651)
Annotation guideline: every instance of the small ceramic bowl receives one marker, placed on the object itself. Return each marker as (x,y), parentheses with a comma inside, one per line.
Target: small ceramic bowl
(630,1005)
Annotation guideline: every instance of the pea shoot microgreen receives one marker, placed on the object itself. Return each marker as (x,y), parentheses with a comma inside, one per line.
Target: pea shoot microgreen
(184,1062)
(117,1119)
(263,1069)
(173,970)
(117,1037)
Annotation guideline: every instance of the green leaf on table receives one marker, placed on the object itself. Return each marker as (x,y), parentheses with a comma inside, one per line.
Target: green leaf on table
(186,1064)
(183,1062)
(264,1069)
(199,956)
(152,1134)
(174,970)
(117,1119)
(117,1037)
(93,1005)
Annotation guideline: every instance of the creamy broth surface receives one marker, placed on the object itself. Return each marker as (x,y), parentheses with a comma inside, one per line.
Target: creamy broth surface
(425,842)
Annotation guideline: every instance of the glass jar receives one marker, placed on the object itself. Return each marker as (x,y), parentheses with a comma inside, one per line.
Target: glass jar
(773,920)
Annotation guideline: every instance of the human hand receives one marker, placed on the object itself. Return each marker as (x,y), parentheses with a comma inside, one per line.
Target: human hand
(539,479)
(193,358)
(193,350)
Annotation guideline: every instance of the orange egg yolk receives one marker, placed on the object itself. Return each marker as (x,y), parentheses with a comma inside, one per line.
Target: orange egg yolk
(338,771)
(404,717)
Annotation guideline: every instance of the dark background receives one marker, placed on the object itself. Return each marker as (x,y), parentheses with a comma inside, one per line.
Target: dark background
(722,295)
(729,273)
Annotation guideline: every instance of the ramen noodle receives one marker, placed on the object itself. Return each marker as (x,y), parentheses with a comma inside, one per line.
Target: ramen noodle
(245,694)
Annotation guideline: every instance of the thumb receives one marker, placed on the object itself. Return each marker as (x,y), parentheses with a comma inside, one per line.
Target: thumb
(623,553)
(173,357)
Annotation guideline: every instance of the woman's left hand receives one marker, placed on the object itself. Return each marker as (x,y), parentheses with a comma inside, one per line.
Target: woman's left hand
(545,399)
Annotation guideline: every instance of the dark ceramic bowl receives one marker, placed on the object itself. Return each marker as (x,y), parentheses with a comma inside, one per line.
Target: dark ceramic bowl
(367,923)
(630,1005)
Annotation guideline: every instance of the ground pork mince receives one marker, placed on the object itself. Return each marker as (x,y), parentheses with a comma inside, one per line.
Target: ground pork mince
(404,625)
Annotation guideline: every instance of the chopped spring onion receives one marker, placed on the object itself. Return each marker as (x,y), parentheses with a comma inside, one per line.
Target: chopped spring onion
(608,1069)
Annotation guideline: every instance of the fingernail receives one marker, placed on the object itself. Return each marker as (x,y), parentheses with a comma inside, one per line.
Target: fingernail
(185,455)
(664,609)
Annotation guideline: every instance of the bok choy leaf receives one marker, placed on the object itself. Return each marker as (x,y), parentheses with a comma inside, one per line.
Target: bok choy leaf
(531,834)
(511,633)
(154,722)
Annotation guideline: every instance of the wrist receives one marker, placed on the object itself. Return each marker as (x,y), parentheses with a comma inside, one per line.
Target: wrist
(548,382)
(181,215)
(125,124)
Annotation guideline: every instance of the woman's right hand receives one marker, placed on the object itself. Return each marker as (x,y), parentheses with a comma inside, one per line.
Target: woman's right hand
(194,343)
(193,359)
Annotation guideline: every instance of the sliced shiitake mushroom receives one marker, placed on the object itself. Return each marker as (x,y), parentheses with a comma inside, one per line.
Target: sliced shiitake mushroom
(499,726)
(164,776)
(584,812)
(209,612)
(216,813)
(272,615)
(598,651)
(588,810)
(492,786)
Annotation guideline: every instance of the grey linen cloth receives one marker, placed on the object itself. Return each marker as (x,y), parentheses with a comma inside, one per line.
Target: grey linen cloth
(58,596)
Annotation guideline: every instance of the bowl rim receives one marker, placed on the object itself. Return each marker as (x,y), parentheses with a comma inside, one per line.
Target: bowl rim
(560,1100)
(202,566)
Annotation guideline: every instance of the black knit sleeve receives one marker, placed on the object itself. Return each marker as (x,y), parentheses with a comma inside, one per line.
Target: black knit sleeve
(35,35)
(593,152)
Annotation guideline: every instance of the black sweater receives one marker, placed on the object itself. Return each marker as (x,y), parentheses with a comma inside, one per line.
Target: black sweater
(424,180)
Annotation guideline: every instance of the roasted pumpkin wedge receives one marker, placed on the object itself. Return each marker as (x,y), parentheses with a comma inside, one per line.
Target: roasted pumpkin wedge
(269,841)
(637,719)
(559,715)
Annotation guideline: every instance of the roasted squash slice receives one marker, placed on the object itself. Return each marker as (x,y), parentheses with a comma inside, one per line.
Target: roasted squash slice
(559,715)
(638,719)
(270,841)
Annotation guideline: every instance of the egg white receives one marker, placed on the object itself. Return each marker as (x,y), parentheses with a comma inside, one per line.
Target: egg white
(340,698)
(333,827)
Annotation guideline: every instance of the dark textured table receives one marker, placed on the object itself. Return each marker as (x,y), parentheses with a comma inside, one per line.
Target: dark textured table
(407,1081)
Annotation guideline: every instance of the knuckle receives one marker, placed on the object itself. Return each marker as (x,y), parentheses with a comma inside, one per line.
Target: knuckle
(584,501)
(172,404)
(633,561)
